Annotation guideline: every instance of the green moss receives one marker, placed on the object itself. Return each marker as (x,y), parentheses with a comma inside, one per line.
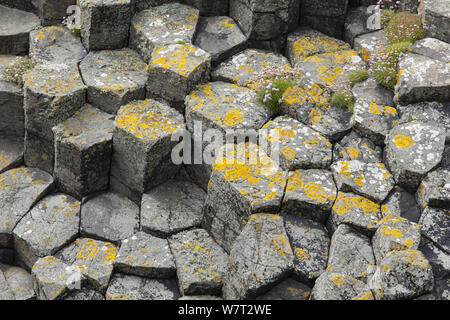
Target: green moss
(15,71)
(343,99)
(271,95)
(404,26)
(356,76)
(385,64)
(75,31)
(386,16)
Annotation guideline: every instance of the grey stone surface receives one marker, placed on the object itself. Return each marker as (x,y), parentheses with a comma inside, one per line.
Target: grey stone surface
(48,227)
(422,79)
(53,279)
(84,294)
(12,123)
(260,258)
(56,44)
(355,147)
(337,286)
(289,289)
(146,256)
(309,194)
(434,191)
(326,16)
(14,38)
(109,216)
(401,275)
(92,258)
(412,150)
(5,291)
(142,146)
(175,70)
(105,23)
(357,23)
(201,263)
(53,92)
(239,188)
(20,189)
(114,78)
(11,153)
(310,243)
(438,259)
(262,20)
(373,120)
(371,180)
(371,91)
(83,148)
(172,207)
(19,282)
(370,44)
(435,225)
(299,145)
(433,113)
(220,36)
(166,24)
(243,67)
(52,12)
(435,16)
(401,203)
(432,48)
(311,105)
(210,7)
(125,287)
(351,254)
(395,233)
(355,211)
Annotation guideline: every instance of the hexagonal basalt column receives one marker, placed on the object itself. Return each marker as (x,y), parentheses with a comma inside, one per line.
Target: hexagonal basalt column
(53,93)
(412,150)
(167,24)
(243,67)
(114,78)
(225,107)
(11,153)
(48,227)
(175,70)
(83,148)
(142,147)
(325,16)
(15,30)
(232,40)
(12,123)
(300,146)
(210,7)
(56,44)
(52,12)
(20,189)
(266,23)
(435,16)
(260,258)
(92,258)
(105,23)
(244,181)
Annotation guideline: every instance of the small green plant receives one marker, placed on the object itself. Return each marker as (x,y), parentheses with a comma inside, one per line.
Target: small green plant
(271,84)
(75,31)
(386,16)
(404,26)
(14,72)
(343,99)
(384,66)
(356,76)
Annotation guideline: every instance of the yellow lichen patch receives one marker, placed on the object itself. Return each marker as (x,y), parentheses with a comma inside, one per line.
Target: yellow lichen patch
(367,296)
(403,141)
(138,119)
(182,59)
(302,254)
(312,44)
(386,230)
(87,251)
(281,244)
(316,192)
(338,280)
(233,117)
(344,203)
